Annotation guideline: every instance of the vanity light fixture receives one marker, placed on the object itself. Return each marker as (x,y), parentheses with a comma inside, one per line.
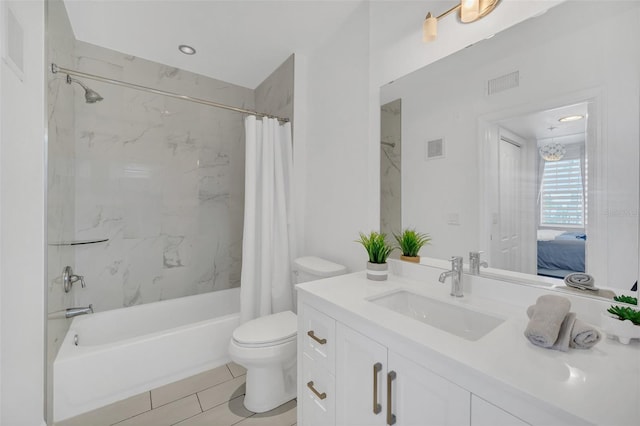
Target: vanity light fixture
(571,118)
(470,11)
(186,49)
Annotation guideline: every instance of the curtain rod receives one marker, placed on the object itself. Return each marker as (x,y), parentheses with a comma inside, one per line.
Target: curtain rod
(56,69)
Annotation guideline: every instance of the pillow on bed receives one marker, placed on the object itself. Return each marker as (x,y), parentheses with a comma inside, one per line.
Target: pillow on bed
(548,234)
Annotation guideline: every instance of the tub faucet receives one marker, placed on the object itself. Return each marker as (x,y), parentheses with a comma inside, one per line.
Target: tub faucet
(74,312)
(475,264)
(456,276)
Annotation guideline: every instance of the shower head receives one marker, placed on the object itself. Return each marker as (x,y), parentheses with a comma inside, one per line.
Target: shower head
(90,95)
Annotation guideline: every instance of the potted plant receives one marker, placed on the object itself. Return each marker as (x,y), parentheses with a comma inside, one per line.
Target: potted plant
(623,321)
(410,242)
(378,250)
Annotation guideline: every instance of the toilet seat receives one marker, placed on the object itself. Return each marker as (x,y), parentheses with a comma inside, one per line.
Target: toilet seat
(269,330)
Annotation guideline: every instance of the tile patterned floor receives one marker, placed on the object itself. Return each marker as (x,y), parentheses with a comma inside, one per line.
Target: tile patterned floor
(212,398)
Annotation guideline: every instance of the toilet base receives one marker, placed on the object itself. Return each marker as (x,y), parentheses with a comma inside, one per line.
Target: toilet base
(268,388)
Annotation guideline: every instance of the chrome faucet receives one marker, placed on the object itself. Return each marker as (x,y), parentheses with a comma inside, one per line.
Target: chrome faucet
(456,276)
(74,312)
(475,264)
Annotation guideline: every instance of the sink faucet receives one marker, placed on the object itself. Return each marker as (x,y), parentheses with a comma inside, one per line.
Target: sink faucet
(74,312)
(475,264)
(456,276)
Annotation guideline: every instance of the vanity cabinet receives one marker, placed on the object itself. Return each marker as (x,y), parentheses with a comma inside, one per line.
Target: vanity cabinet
(486,414)
(376,386)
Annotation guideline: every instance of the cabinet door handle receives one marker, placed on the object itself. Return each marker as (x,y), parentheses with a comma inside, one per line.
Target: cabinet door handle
(377,368)
(322,395)
(316,338)
(391,418)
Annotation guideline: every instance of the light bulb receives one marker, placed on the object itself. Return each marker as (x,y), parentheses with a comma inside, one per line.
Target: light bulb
(429,28)
(469,10)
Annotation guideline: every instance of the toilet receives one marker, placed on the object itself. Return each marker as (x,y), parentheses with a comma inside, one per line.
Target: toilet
(266,346)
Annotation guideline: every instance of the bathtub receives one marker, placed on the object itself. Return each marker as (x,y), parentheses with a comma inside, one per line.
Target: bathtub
(123,352)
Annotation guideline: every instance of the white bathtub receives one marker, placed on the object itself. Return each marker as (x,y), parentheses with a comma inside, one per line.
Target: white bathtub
(123,352)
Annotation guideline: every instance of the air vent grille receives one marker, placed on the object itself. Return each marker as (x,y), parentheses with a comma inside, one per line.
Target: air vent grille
(502,83)
(435,149)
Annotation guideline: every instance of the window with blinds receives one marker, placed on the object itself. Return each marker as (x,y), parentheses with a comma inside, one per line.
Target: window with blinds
(562,194)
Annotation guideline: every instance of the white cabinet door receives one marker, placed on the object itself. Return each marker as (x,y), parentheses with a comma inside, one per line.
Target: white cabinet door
(422,398)
(317,398)
(486,414)
(360,379)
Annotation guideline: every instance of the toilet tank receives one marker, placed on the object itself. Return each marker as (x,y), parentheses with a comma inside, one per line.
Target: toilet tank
(311,268)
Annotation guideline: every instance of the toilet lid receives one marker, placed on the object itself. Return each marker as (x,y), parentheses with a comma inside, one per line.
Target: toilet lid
(268,329)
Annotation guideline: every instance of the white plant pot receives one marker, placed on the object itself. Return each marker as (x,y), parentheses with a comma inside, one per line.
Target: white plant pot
(377,271)
(623,330)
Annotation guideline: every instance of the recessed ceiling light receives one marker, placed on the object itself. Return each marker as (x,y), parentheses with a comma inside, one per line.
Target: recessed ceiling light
(571,118)
(187,50)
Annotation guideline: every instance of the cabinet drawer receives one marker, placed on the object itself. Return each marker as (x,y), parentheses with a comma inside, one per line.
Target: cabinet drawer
(318,338)
(318,394)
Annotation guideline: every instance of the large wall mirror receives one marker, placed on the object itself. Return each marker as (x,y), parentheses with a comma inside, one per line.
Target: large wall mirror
(526,146)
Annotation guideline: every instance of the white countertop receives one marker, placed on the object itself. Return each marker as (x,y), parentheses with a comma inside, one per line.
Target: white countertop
(600,385)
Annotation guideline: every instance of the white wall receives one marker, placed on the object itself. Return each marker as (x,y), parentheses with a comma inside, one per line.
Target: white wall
(336,166)
(22,203)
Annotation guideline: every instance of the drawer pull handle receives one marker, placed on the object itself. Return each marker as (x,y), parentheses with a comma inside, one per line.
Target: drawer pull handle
(316,338)
(377,408)
(391,418)
(322,395)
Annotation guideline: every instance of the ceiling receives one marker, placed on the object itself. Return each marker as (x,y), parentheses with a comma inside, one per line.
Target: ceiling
(545,125)
(237,41)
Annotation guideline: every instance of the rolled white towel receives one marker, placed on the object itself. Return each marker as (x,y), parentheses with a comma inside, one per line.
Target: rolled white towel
(583,335)
(573,333)
(547,318)
(564,334)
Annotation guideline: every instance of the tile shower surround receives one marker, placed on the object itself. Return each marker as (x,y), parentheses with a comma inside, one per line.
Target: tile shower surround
(162,178)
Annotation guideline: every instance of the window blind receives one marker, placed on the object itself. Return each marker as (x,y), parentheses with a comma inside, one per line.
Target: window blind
(562,200)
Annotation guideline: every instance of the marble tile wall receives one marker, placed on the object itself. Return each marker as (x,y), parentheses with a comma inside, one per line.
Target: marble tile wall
(390,169)
(162,178)
(60,171)
(275,94)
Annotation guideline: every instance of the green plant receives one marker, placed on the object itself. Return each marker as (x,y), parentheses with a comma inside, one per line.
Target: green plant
(626,299)
(410,242)
(376,246)
(625,313)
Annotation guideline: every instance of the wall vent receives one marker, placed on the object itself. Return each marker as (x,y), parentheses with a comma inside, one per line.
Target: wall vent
(434,149)
(502,83)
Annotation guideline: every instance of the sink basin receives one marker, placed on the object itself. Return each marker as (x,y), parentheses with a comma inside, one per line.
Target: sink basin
(462,322)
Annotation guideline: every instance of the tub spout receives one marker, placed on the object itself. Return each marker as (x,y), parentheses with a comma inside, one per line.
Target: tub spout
(74,312)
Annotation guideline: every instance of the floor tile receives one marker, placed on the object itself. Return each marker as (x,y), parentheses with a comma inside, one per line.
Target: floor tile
(284,415)
(222,393)
(167,414)
(111,413)
(223,415)
(189,386)
(236,370)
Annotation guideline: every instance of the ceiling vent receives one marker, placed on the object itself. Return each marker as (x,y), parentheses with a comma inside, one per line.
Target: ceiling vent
(502,83)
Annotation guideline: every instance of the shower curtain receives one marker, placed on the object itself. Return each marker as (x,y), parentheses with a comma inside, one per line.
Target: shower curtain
(267,244)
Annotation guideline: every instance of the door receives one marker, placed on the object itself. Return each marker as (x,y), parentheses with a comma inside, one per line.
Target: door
(421,397)
(507,254)
(360,379)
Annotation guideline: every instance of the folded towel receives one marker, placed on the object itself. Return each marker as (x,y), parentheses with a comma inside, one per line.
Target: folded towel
(564,334)
(583,335)
(573,333)
(547,318)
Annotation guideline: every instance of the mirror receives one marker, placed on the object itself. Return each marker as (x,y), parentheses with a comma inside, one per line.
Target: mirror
(476,125)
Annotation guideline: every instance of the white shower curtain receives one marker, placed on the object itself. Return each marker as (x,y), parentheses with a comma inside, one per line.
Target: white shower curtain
(267,244)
